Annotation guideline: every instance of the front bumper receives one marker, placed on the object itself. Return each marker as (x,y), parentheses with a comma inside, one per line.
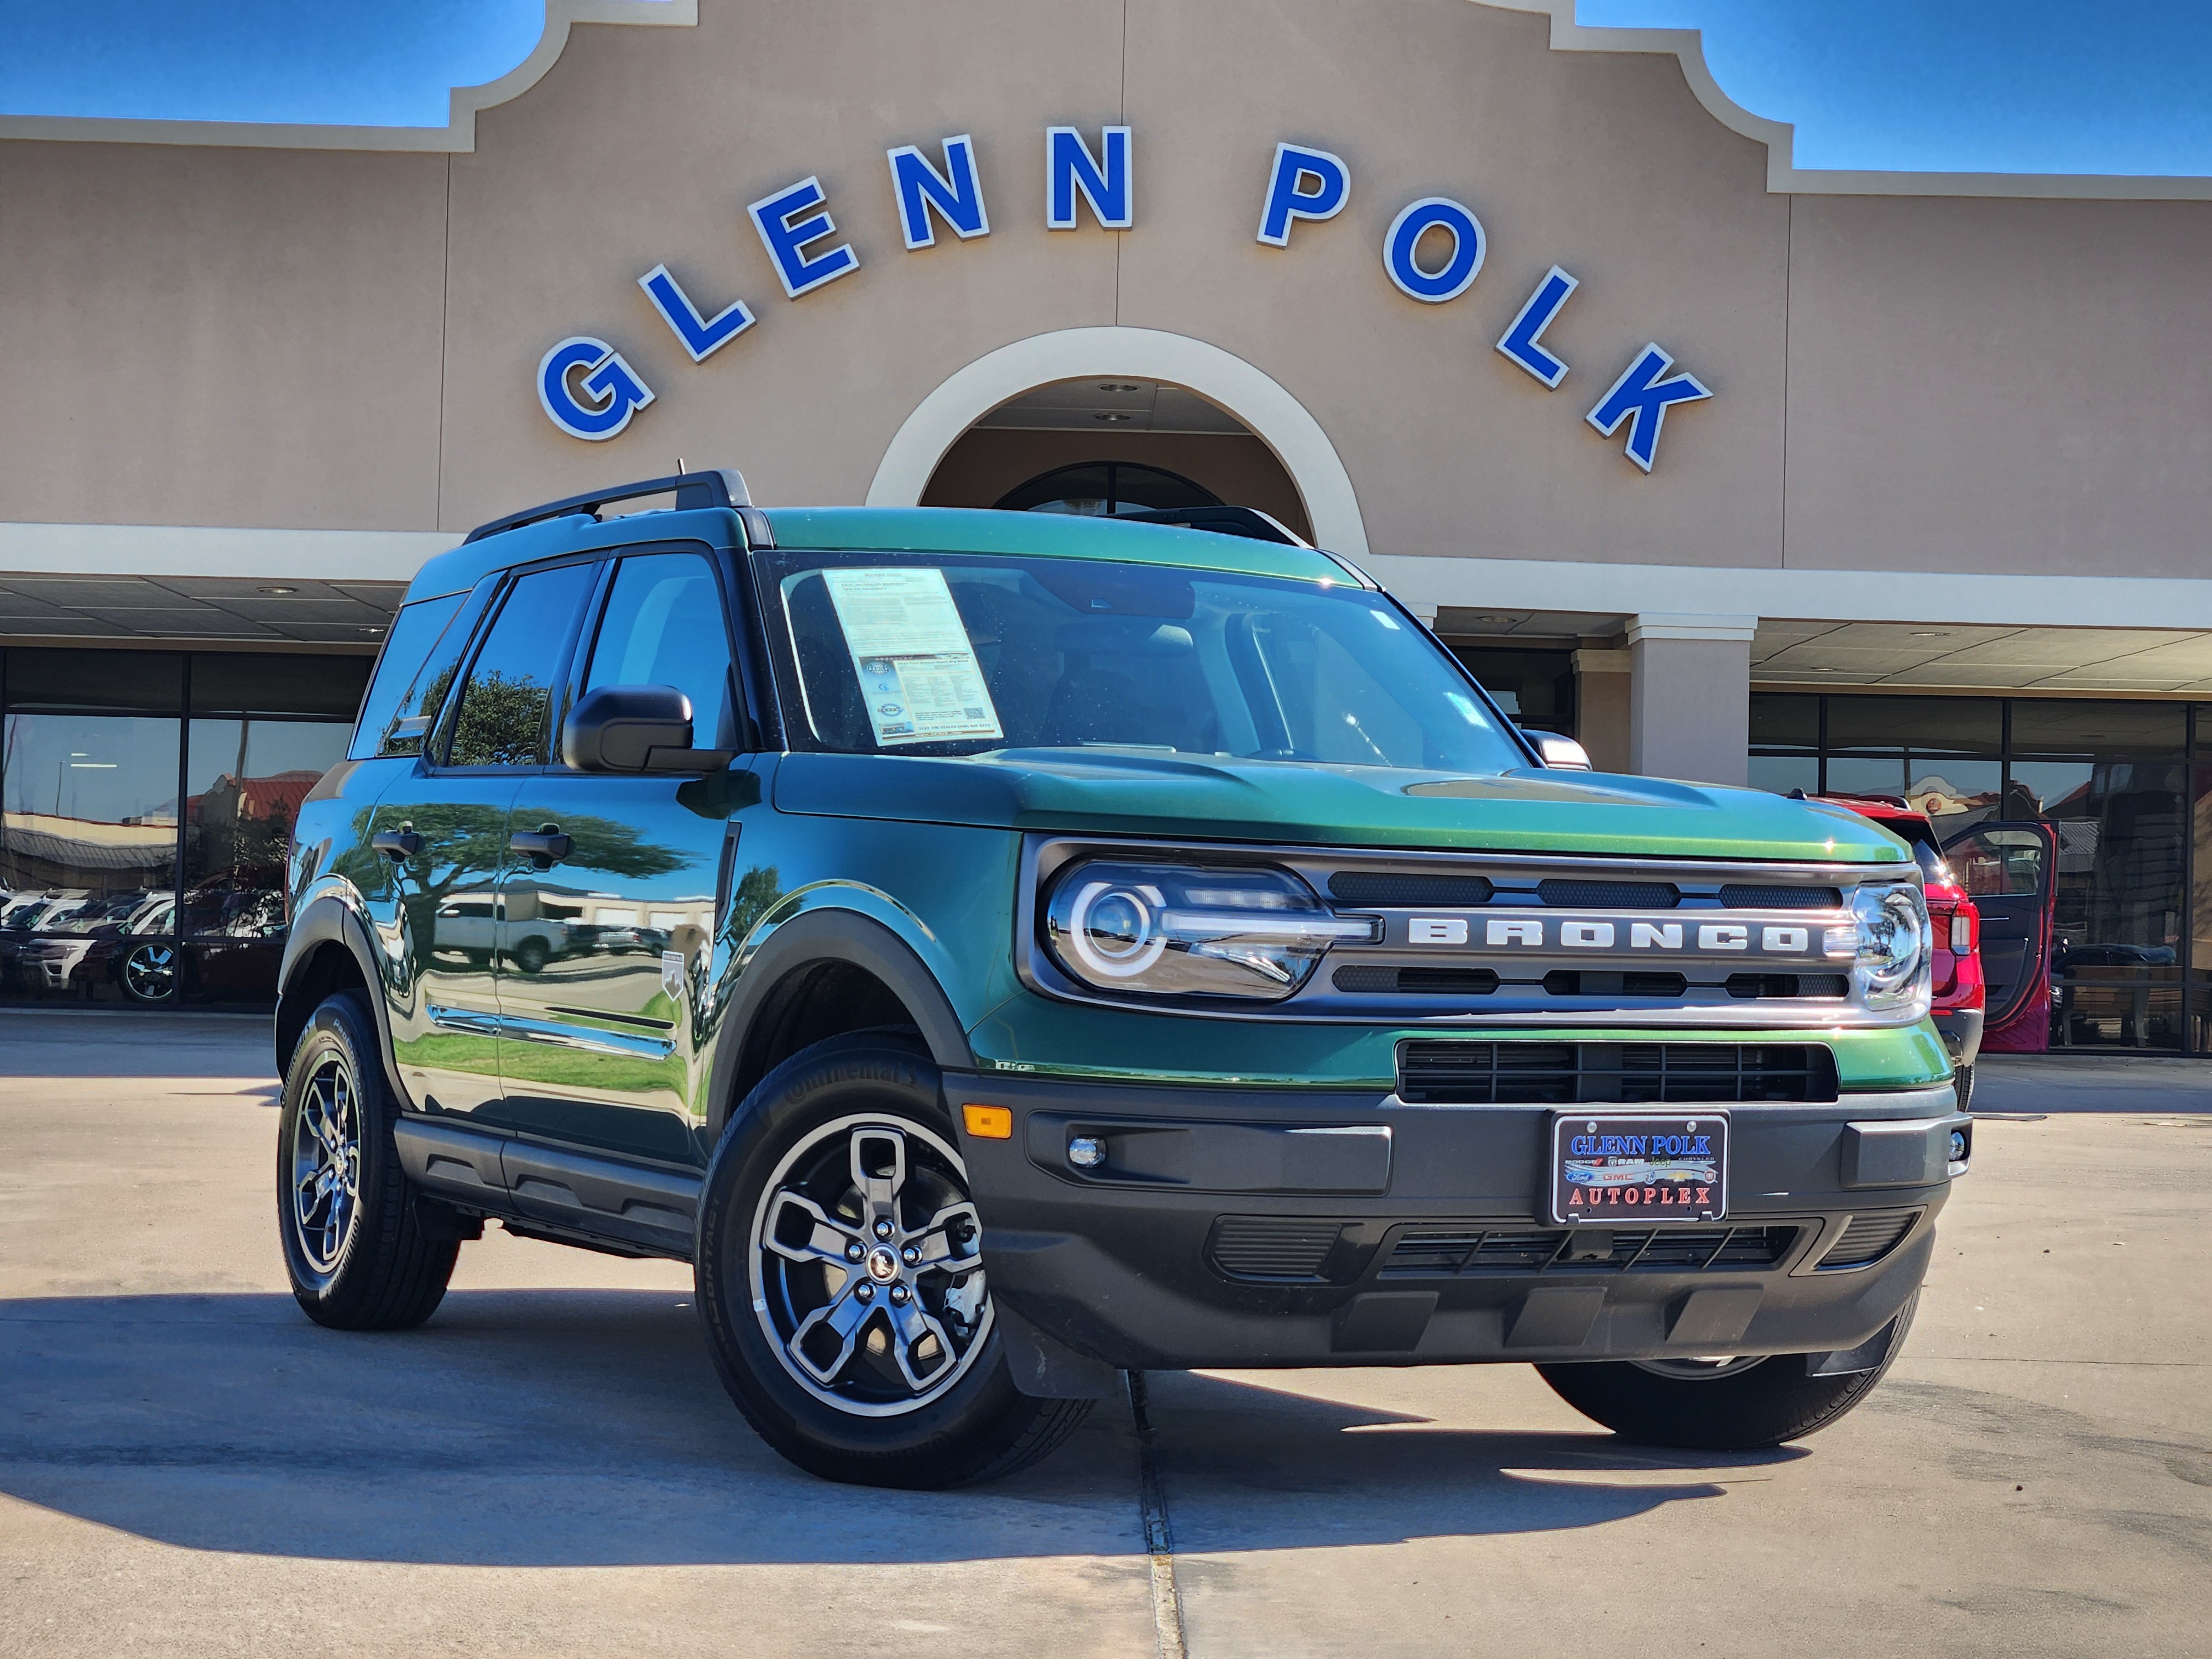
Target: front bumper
(1961,1030)
(1215,1236)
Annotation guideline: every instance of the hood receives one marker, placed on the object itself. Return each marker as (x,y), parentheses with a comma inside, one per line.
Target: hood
(1160,796)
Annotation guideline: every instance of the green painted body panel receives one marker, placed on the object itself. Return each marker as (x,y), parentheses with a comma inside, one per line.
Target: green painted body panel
(1134,793)
(1045,536)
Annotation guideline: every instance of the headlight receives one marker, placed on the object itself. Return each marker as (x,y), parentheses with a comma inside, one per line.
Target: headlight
(1171,929)
(1893,943)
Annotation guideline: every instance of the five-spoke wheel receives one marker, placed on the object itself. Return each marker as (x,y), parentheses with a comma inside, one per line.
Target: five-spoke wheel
(150,972)
(326,1162)
(867,1266)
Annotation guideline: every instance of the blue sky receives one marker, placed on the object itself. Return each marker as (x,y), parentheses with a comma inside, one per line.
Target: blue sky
(2060,85)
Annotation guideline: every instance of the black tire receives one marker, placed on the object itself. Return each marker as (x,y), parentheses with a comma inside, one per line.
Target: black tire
(372,1269)
(148,973)
(872,1098)
(1764,1403)
(1963,1080)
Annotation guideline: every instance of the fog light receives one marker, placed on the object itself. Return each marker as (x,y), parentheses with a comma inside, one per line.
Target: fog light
(1086,1151)
(1958,1146)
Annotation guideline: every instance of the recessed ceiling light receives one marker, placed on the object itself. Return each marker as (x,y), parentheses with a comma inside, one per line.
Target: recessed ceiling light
(1119,385)
(1112,415)
(1491,621)
(1929,634)
(278,591)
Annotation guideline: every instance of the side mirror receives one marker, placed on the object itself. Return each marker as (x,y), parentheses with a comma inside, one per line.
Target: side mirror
(1562,754)
(634,728)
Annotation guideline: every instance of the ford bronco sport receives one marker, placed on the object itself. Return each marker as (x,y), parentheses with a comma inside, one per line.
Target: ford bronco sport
(998,949)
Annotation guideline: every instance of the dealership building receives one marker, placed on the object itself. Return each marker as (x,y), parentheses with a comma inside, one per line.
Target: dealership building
(1890,483)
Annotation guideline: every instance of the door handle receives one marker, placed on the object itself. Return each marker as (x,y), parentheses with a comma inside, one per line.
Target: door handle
(398,845)
(544,847)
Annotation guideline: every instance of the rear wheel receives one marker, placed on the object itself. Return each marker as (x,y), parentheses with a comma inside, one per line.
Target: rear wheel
(149,972)
(356,1252)
(1723,1403)
(841,1278)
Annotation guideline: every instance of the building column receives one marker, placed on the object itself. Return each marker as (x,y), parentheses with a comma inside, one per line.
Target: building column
(1601,705)
(1689,714)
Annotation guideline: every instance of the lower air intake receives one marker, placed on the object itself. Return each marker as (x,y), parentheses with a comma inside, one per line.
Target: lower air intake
(1278,1250)
(1869,1238)
(1444,1072)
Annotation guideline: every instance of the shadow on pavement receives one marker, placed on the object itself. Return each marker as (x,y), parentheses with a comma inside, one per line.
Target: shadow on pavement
(580,1428)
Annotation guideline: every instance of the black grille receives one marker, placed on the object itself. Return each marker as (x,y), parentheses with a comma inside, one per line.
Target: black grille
(1611,895)
(1789,985)
(1583,983)
(1283,1249)
(1448,1252)
(1456,1074)
(1417,981)
(1743,895)
(1870,1238)
(1390,887)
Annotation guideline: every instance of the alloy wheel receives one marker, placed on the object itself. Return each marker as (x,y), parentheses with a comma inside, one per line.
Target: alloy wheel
(326,1163)
(150,972)
(866,1266)
(1700,1368)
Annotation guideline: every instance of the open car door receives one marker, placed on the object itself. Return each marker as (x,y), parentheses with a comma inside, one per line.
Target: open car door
(2009,870)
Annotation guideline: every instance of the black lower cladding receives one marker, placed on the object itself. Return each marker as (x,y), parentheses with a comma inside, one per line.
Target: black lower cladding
(1452,1073)
(1299,1249)
(1193,1264)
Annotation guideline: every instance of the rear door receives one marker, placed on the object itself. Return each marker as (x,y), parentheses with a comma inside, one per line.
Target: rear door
(443,828)
(607,922)
(2010,871)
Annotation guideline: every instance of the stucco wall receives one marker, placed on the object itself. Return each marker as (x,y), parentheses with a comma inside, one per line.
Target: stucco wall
(202,335)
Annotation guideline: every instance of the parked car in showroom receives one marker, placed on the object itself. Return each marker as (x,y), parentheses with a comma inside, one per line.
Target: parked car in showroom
(1118,946)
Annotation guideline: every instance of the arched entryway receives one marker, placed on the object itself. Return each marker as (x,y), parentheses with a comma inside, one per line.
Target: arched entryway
(1111,397)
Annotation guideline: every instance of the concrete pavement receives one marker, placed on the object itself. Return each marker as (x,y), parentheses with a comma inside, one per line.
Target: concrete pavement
(187,1466)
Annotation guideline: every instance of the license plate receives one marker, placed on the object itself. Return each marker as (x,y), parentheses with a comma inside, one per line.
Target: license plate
(1639,1166)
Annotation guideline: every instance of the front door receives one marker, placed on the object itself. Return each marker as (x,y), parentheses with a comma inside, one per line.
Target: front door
(608,906)
(2009,871)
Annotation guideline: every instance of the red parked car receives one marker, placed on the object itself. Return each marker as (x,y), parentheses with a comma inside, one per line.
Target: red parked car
(1961,990)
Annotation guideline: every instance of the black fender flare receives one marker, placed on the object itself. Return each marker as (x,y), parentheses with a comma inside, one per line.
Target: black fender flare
(329,919)
(832,935)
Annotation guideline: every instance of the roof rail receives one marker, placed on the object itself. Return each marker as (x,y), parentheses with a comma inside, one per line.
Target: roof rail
(1222,520)
(724,487)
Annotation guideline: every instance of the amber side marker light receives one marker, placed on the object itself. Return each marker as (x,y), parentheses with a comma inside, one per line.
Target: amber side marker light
(988,1122)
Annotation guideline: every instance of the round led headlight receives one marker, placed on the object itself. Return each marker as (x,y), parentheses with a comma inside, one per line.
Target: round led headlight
(1169,930)
(1892,944)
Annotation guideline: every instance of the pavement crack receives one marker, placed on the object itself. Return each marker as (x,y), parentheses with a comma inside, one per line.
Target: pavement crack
(1159,1541)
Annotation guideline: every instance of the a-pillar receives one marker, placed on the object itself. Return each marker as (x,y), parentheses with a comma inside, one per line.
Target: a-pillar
(1689,706)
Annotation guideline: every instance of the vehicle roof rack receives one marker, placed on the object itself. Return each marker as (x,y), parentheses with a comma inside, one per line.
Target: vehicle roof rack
(723,487)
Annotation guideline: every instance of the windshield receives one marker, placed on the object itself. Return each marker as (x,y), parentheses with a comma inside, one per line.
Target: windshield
(964,654)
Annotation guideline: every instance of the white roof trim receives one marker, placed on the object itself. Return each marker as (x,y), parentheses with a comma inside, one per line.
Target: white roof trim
(1785,177)
(459,134)
(1686,47)
(143,549)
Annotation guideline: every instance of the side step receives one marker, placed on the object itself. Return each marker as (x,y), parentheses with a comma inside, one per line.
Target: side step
(596,1194)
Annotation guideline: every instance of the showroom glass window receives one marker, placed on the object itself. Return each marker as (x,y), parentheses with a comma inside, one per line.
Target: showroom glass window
(2110,778)
(146,798)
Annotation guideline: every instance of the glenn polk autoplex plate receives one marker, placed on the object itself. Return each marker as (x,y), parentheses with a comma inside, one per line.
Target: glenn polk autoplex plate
(1641,1166)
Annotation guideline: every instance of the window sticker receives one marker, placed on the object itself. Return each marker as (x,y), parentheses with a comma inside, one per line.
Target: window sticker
(918,671)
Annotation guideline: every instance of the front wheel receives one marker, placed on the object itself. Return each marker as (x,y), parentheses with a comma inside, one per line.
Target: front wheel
(840,1278)
(1721,1404)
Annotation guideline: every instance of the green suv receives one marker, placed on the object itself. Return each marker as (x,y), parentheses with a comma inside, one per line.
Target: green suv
(1001,949)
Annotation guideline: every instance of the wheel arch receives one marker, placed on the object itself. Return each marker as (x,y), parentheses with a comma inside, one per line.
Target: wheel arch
(829,953)
(328,951)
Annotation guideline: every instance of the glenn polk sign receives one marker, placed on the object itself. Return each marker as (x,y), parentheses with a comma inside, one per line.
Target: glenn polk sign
(589,391)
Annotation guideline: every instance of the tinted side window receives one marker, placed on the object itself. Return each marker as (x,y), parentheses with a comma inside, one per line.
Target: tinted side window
(508,701)
(406,648)
(664,627)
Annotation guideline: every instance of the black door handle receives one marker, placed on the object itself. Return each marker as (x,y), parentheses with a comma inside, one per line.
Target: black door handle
(398,845)
(546,847)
